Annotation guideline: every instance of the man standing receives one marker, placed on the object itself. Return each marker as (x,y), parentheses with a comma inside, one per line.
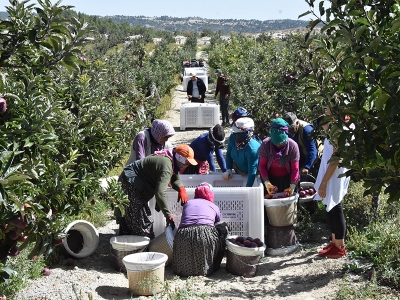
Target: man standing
(224,91)
(300,132)
(196,89)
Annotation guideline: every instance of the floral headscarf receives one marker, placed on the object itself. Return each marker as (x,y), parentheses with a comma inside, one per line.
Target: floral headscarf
(204,191)
(160,129)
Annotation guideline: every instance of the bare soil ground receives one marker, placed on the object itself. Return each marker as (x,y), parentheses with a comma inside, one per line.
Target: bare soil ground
(301,275)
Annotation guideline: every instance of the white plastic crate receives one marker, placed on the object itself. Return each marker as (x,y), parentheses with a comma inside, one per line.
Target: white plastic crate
(198,115)
(241,207)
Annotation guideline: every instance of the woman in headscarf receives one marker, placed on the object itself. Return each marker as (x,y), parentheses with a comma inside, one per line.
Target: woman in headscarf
(242,152)
(204,147)
(198,246)
(151,139)
(147,178)
(279,159)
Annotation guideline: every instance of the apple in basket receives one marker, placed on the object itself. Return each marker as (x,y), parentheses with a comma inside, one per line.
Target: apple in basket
(248,242)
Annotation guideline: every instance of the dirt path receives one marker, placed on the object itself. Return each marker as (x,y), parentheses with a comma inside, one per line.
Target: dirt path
(302,275)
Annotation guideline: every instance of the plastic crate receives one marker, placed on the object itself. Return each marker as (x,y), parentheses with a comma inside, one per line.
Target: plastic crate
(198,115)
(241,207)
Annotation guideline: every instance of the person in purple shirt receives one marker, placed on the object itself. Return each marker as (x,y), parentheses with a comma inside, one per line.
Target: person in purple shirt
(151,139)
(204,147)
(198,246)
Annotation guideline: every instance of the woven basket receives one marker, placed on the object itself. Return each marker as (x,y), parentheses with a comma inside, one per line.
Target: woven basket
(163,244)
(278,237)
(245,266)
(156,277)
(124,245)
(284,214)
(145,272)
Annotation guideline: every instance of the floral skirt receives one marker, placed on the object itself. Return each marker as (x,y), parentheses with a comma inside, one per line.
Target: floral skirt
(137,219)
(198,251)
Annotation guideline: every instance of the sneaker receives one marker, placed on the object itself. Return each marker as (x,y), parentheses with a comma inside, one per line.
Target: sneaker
(326,248)
(336,252)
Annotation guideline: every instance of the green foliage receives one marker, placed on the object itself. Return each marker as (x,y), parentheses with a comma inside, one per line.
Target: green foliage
(70,119)
(355,72)
(265,76)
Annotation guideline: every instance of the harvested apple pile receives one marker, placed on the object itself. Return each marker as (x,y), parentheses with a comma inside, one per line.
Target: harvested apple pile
(306,191)
(248,242)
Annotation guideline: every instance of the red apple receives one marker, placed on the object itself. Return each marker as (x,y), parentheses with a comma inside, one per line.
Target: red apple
(57,242)
(46,272)
(240,239)
(253,245)
(268,196)
(302,194)
(249,239)
(247,243)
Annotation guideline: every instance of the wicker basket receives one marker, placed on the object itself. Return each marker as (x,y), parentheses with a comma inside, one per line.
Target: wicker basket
(163,244)
(278,237)
(124,245)
(145,272)
(282,212)
(243,261)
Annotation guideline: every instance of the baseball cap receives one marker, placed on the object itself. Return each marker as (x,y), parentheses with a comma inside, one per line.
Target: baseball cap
(218,71)
(290,118)
(243,124)
(187,152)
(217,135)
(239,113)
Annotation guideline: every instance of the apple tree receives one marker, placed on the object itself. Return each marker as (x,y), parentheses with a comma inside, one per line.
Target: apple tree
(359,49)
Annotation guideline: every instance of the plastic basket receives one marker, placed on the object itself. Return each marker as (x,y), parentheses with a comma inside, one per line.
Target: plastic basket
(90,237)
(241,207)
(124,245)
(282,211)
(164,243)
(145,272)
(309,198)
(198,115)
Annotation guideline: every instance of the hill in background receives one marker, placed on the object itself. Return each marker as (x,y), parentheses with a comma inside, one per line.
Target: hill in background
(225,26)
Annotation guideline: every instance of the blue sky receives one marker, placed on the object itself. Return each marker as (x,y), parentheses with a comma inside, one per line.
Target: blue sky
(210,9)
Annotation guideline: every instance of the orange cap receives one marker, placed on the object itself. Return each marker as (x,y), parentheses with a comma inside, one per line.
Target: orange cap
(187,152)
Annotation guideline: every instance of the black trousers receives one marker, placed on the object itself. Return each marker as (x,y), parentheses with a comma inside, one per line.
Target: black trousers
(224,107)
(337,221)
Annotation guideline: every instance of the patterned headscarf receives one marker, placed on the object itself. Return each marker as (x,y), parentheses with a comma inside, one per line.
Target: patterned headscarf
(204,191)
(160,129)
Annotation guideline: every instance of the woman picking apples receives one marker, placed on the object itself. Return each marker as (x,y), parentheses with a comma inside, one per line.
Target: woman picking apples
(279,160)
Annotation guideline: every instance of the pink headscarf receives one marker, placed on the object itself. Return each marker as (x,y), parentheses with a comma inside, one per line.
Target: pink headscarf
(205,191)
(160,129)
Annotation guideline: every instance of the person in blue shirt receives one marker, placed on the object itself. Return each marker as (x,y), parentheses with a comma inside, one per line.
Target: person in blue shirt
(204,147)
(300,132)
(242,152)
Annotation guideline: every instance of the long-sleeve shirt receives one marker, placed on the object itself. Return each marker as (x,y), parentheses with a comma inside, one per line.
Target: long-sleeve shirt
(222,87)
(269,165)
(143,145)
(308,147)
(246,159)
(200,212)
(150,176)
(203,152)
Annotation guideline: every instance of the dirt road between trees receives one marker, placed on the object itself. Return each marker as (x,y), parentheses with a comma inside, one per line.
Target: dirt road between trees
(301,275)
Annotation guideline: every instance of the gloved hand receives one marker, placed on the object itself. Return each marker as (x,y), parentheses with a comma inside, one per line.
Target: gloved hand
(271,189)
(227,174)
(182,195)
(170,222)
(290,189)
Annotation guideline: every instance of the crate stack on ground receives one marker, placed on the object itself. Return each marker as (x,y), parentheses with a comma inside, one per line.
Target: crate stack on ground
(281,215)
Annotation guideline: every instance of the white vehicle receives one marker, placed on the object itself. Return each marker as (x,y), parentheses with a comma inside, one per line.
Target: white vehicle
(200,72)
